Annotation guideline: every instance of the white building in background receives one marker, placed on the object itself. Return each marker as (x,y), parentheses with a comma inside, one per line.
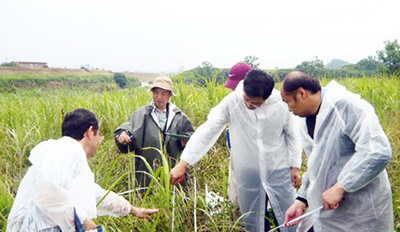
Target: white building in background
(29,64)
(144,84)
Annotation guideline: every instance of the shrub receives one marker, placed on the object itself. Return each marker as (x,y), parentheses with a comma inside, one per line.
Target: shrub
(121,80)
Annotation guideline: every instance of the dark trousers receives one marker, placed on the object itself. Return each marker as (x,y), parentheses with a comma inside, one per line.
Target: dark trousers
(267,224)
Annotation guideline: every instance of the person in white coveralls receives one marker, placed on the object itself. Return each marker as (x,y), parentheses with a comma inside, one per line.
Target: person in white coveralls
(236,74)
(265,152)
(60,180)
(348,152)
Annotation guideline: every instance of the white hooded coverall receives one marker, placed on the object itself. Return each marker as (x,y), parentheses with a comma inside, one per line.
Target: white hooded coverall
(349,147)
(265,145)
(59,180)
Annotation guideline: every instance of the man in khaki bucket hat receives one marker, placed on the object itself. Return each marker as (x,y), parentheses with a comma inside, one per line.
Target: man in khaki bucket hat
(163,83)
(144,126)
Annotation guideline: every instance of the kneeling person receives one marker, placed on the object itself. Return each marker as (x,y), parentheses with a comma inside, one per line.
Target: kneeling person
(60,180)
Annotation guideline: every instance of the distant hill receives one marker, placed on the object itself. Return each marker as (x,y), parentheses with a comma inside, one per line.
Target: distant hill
(336,63)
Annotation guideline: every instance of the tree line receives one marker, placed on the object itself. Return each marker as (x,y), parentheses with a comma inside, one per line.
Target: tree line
(386,62)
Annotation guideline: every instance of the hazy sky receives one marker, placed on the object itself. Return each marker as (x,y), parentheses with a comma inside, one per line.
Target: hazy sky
(173,35)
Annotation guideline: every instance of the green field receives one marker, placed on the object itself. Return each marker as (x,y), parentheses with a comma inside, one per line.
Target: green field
(14,78)
(31,115)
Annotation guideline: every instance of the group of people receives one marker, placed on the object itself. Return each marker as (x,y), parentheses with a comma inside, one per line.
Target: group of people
(346,147)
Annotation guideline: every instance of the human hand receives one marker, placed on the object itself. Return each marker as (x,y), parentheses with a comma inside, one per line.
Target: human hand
(296,178)
(143,212)
(184,142)
(89,224)
(333,196)
(178,172)
(295,210)
(124,138)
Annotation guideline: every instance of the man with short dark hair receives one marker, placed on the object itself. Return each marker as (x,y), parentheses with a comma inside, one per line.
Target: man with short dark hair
(265,152)
(60,181)
(347,151)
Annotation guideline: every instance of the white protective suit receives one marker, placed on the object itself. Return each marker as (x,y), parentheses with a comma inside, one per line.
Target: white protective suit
(59,180)
(351,148)
(265,145)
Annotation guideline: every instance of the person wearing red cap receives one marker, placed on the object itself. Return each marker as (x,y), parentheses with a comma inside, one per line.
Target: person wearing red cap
(236,74)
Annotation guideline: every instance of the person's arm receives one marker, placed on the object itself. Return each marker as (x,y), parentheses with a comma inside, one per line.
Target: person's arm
(302,193)
(55,176)
(372,150)
(203,139)
(129,135)
(296,178)
(186,129)
(333,196)
(142,212)
(55,203)
(122,135)
(178,172)
(113,205)
(295,210)
(293,143)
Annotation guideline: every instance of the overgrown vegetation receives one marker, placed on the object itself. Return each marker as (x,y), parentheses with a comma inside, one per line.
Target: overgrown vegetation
(390,56)
(102,80)
(31,115)
(8,64)
(386,61)
(121,80)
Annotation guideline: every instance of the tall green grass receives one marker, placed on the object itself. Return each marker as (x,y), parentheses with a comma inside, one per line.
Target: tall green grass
(29,116)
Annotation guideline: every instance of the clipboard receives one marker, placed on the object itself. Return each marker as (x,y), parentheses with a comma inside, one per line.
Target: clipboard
(178,136)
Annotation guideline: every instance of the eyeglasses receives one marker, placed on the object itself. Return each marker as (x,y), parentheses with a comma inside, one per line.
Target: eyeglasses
(162,92)
(256,104)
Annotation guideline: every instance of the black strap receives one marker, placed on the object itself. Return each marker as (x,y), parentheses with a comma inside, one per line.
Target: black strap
(302,200)
(144,128)
(164,131)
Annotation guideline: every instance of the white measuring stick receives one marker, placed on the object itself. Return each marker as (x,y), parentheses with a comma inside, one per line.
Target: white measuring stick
(173,210)
(133,190)
(194,203)
(298,218)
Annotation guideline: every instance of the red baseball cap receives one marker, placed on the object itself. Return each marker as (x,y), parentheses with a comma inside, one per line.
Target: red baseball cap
(236,74)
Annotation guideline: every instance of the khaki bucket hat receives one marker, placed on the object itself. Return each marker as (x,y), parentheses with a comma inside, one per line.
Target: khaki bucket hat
(163,83)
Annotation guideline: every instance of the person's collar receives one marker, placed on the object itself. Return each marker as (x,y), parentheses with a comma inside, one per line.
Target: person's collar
(155,107)
(320,102)
(323,90)
(161,111)
(239,89)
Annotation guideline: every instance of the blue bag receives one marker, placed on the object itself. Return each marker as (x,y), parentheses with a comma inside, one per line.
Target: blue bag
(79,226)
